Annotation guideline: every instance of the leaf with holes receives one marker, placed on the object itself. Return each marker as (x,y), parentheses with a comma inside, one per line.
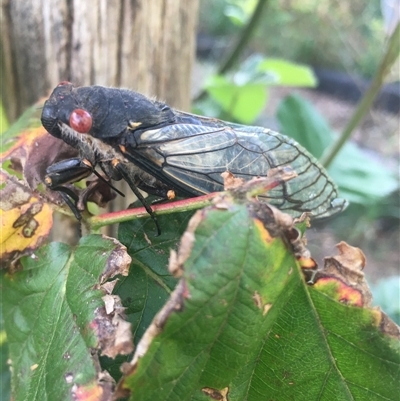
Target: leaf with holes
(58,312)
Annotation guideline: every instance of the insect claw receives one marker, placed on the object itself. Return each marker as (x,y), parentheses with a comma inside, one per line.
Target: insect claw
(65,195)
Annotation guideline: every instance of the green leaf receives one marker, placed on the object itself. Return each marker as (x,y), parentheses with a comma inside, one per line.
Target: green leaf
(243,102)
(359,181)
(243,323)
(299,120)
(357,348)
(250,72)
(239,11)
(3,119)
(51,312)
(147,287)
(29,119)
(5,374)
(244,94)
(361,178)
(236,15)
(289,74)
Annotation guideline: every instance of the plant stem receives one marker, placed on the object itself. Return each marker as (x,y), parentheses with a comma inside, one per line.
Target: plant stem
(392,53)
(242,41)
(184,205)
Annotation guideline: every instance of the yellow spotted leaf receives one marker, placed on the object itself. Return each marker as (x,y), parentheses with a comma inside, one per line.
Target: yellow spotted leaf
(26,220)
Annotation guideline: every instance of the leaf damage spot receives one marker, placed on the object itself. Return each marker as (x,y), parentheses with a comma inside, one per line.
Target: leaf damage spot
(259,303)
(92,391)
(230,181)
(219,395)
(26,221)
(174,267)
(178,258)
(147,239)
(257,300)
(272,223)
(350,256)
(220,201)
(110,303)
(69,377)
(307,263)
(249,190)
(266,308)
(340,291)
(112,331)
(118,262)
(265,235)
(342,278)
(385,324)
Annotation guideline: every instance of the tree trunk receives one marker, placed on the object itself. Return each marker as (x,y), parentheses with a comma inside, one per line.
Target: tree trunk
(144,45)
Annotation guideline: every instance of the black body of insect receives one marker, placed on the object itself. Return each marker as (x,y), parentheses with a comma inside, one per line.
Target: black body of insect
(157,149)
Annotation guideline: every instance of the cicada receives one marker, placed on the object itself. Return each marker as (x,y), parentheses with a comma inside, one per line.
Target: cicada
(161,150)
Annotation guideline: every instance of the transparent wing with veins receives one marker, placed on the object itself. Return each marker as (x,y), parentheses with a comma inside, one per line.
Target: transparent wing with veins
(191,158)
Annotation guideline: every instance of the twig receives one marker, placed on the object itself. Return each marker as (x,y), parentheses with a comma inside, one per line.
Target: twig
(241,43)
(392,53)
(184,205)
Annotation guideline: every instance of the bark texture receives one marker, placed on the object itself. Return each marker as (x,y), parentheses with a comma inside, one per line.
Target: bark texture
(144,45)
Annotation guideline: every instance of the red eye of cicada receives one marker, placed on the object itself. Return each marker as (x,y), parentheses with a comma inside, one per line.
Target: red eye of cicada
(80,121)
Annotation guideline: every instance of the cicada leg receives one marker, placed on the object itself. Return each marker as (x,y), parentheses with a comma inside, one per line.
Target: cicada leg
(125,174)
(66,172)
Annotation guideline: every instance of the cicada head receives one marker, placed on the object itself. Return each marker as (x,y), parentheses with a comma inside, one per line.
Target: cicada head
(57,109)
(104,113)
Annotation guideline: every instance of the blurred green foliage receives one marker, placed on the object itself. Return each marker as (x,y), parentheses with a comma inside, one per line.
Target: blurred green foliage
(359,182)
(3,120)
(387,296)
(5,374)
(341,35)
(242,95)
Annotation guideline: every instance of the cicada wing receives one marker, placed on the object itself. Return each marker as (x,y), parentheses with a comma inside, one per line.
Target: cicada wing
(192,157)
